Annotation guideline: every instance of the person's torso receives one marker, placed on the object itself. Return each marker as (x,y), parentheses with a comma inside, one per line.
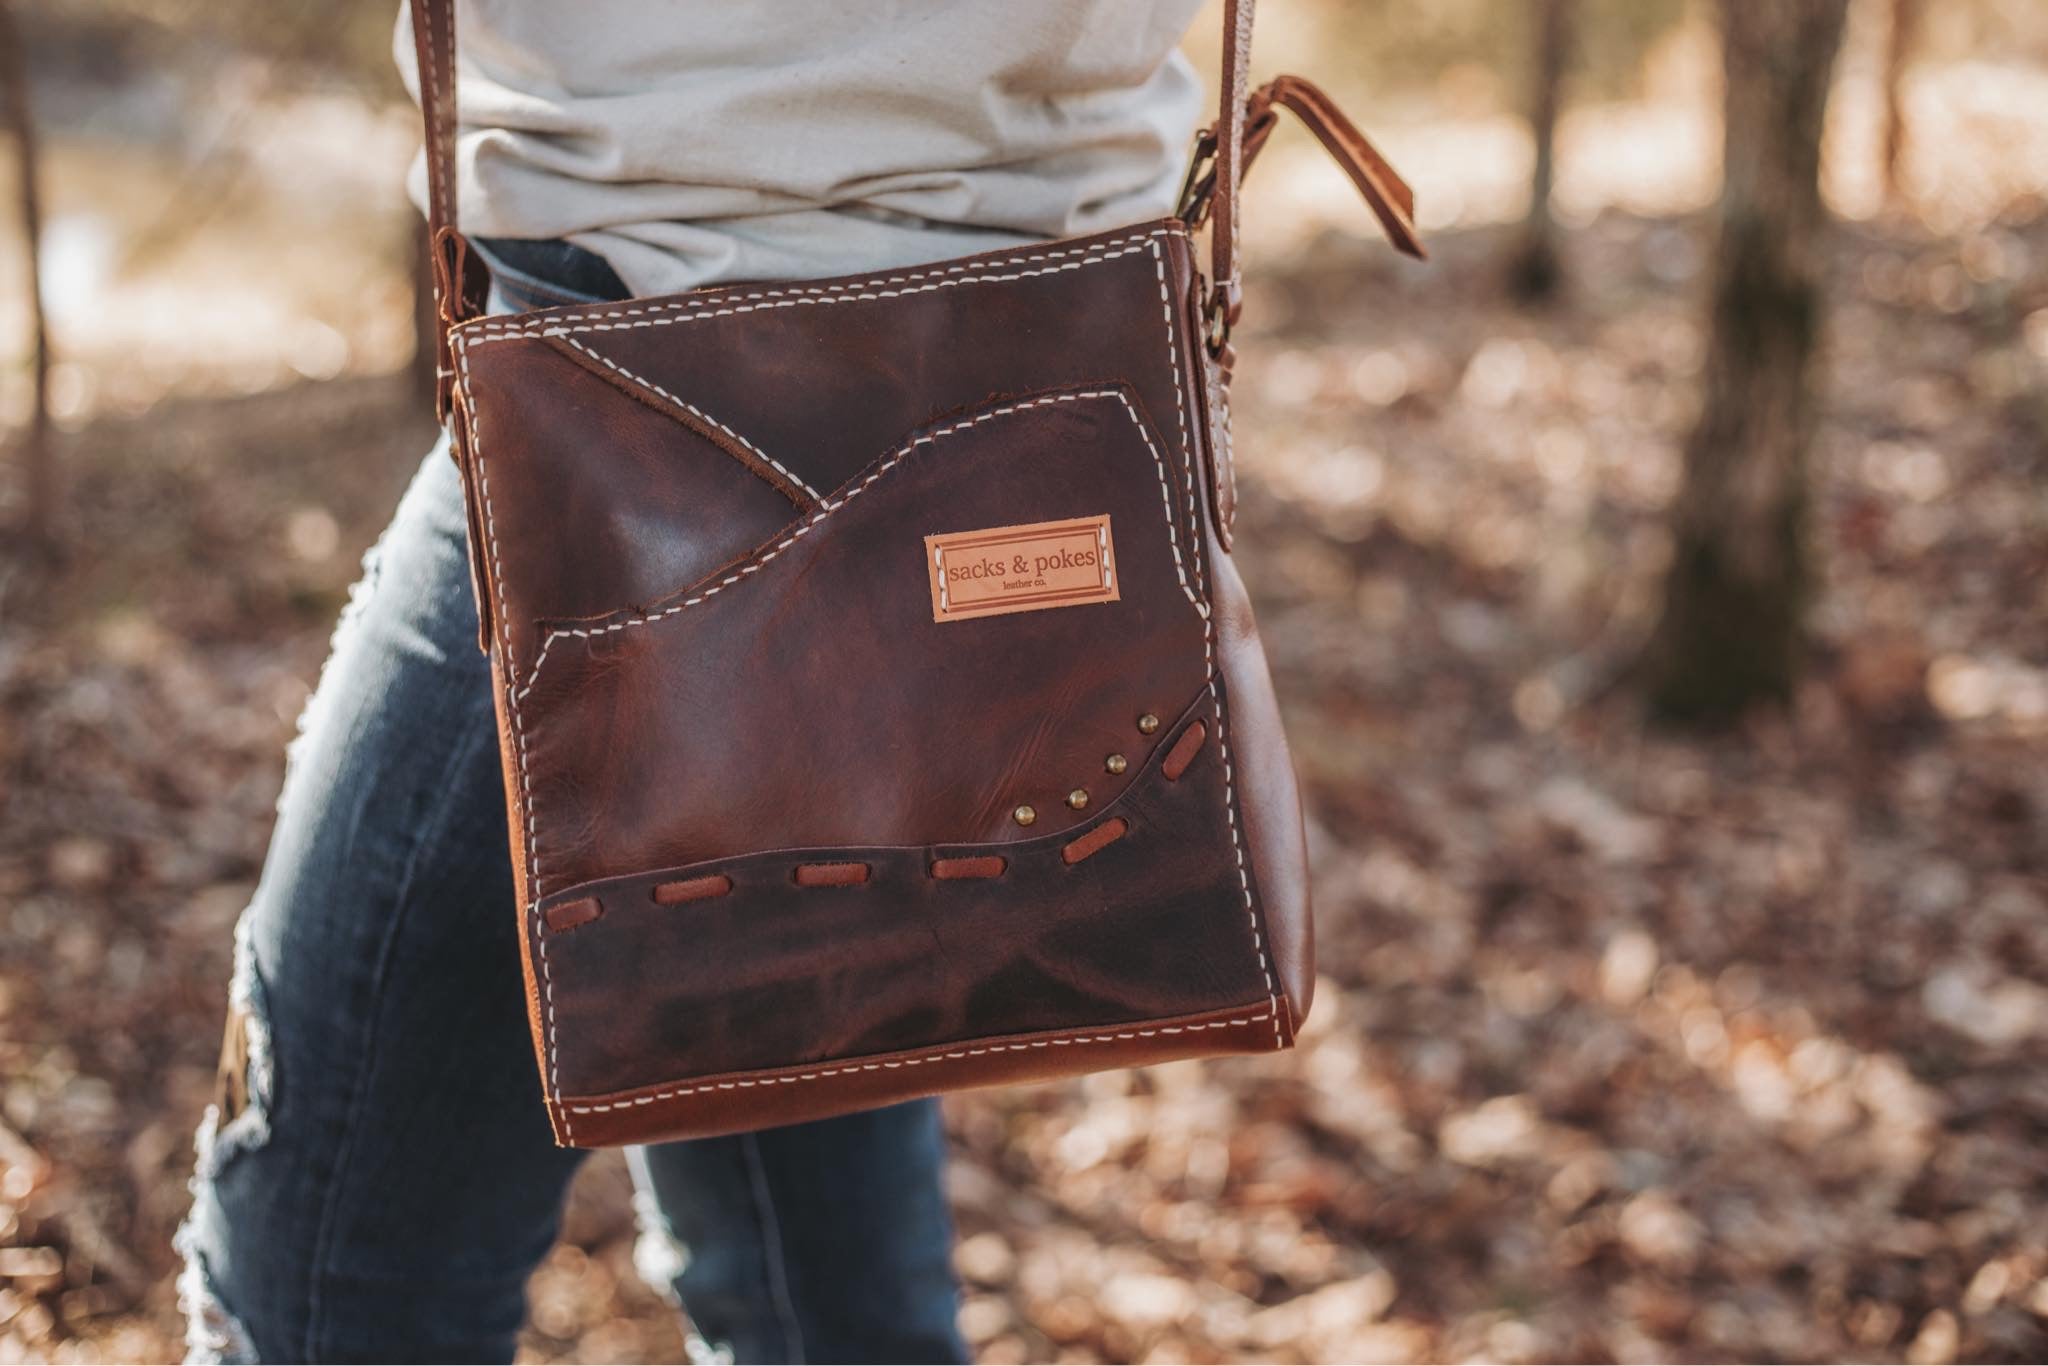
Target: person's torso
(696,143)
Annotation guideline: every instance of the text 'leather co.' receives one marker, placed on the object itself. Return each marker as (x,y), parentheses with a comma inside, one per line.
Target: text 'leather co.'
(1023,568)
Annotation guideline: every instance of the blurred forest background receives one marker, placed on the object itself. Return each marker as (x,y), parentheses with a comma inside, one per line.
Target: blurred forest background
(1671,695)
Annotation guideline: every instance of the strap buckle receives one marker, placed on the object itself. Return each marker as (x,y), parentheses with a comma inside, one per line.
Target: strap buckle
(1219,313)
(1200,185)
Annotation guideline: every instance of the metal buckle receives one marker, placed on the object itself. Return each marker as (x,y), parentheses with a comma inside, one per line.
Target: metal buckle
(1219,313)
(1200,185)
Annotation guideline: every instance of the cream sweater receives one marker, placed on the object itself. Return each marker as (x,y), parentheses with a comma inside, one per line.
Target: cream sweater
(691,142)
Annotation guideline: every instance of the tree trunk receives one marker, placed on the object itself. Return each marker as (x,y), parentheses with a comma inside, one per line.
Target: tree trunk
(1905,28)
(38,459)
(1731,631)
(1535,273)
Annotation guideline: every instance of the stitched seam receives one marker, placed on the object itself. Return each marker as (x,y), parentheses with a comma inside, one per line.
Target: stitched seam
(854,291)
(832,505)
(1232,192)
(936,1055)
(554,1084)
(1229,441)
(434,123)
(1220,428)
(699,414)
(1180,418)
(1187,457)
(1243,875)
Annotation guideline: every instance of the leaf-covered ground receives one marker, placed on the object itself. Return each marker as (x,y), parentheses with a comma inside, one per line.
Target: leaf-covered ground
(1626,1046)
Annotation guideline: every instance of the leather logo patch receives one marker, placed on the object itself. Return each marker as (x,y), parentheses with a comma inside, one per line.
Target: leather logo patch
(1020,568)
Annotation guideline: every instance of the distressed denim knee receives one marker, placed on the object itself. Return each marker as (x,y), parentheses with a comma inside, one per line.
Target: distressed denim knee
(376,1178)
(238,1119)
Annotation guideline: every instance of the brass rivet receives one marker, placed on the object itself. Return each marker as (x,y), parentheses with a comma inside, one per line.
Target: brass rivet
(1024,815)
(1148,723)
(1115,763)
(1078,798)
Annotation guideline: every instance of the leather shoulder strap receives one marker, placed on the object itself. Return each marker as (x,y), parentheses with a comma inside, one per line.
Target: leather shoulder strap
(1230,120)
(462,284)
(433,41)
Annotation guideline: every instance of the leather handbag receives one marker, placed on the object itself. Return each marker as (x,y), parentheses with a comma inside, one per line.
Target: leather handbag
(881,711)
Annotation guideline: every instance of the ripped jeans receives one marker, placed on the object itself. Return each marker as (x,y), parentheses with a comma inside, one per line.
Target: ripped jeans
(378,1180)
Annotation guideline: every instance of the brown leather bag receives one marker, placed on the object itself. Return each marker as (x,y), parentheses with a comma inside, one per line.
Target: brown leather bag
(880,709)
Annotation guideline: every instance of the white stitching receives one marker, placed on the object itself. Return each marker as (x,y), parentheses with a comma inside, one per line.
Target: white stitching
(1187,456)
(1229,442)
(698,413)
(433,143)
(518,731)
(1231,189)
(1220,431)
(1237,848)
(917,1061)
(832,505)
(1180,417)
(441,147)
(847,292)
(854,291)
(462,339)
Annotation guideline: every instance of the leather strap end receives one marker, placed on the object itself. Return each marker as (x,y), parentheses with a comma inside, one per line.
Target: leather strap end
(1379,184)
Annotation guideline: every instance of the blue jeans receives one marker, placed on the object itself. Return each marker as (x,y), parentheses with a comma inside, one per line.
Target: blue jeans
(377,1180)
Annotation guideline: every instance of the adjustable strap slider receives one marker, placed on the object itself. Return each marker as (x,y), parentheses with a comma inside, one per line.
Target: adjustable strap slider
(462,289)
